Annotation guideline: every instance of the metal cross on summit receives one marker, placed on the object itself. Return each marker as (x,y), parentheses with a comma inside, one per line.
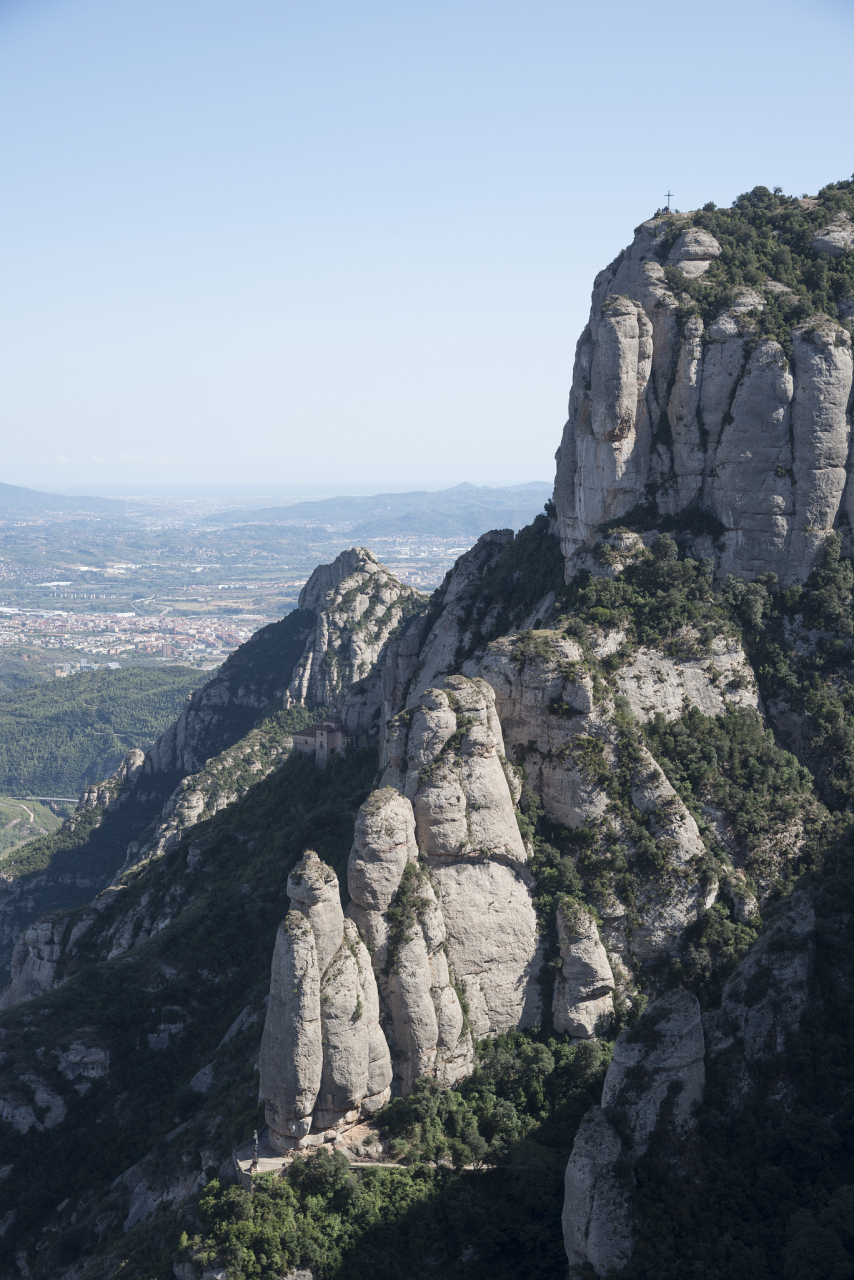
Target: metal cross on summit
(669,198)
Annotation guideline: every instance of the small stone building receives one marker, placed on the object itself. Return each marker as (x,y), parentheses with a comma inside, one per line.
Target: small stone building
(328,738)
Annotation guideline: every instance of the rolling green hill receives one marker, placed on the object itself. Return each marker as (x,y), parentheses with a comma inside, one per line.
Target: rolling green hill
(20,822)
(56,738)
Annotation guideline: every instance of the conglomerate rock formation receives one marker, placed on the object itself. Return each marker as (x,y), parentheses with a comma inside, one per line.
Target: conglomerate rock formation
(224,742)
(576,809)
(682,417)
(654,1084)
(358,605)
(570,741)
(324,1060)
(583,991)
(423,1019)
(447,756)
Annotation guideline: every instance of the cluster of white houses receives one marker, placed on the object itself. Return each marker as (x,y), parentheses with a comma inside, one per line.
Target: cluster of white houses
(328,738)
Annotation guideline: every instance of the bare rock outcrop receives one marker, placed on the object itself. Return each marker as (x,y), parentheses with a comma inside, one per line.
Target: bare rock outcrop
(584,985)
(421,1012)
(571,745)
(225,778)
(253,679)
(598,1221)
(657,1074)
(765,999)
(447,756)
(324,1060)
(531,676)
(654,681)
(34,960)
(455,777)
(694,252)
(358,604)
(836,238)
(347,612)
(669,415)
(110,793)
(654,1084)
(428,646)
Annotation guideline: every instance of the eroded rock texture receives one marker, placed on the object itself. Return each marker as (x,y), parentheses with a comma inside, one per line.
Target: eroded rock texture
(324,1060)
(764,1000)
(447,757)
(34,960)
(421,1010)
(674,417)
(657,1074)
(653,1086)
(766,997)
(584,985)
(358,604)
(571,747)
(598,1222)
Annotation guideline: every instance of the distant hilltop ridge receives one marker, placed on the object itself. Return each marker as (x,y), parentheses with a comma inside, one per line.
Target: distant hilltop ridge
(712,386)
(466,510)
(17,502)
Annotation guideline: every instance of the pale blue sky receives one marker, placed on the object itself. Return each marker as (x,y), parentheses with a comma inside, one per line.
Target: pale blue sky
(329,244)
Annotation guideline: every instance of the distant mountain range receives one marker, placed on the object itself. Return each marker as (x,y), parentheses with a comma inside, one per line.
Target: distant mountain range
(17,503)
(466,510)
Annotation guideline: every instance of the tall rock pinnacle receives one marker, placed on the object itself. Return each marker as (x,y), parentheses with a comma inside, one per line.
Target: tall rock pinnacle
(698,409)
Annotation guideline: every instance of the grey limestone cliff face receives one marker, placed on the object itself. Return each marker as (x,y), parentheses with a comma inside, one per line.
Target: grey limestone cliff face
(324,1060)
(545,715)
(584,985)
(569,755)
(657,1073)
(420,1009)
(836,238)
(447,758)
(34,960)
(252,681)
(657,682)
(653,1086)
(346,613)
(358,604)
(765,999)
(427,648)
(439,654)
(676,417)
(598,1222)
(225,778)
(113,791)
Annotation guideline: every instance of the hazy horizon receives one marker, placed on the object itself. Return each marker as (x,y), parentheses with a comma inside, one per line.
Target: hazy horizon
(292,493)
(336,246)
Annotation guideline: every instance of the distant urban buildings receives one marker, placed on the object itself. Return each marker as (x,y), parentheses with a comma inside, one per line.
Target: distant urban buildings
(98,637)
(70,668)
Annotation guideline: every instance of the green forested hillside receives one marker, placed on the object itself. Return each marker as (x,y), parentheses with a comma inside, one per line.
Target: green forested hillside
(519,1112)
(477,1189)
(58,737)
(21,822)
